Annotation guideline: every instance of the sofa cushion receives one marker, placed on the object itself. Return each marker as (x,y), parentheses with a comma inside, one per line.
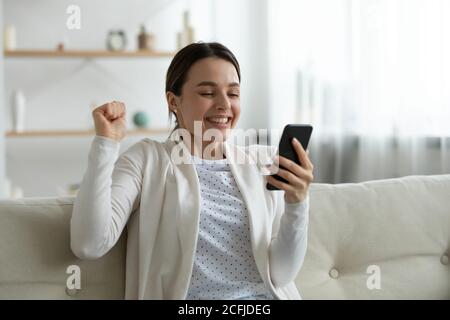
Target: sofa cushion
(396,228)
(35,254)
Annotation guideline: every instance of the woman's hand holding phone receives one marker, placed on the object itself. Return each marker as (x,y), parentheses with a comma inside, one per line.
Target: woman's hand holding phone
(299,177)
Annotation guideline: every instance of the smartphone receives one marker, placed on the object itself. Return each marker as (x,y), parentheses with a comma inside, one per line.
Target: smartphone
(300,131)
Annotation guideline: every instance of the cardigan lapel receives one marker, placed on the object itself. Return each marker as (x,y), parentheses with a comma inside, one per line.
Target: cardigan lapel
(188,208)
(248,179)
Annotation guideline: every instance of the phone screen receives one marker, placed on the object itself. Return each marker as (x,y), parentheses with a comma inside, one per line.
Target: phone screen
(303,134)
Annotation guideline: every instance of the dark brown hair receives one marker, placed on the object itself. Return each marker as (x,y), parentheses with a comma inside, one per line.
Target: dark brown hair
(186,57)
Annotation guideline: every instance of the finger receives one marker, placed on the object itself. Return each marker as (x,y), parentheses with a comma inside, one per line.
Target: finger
(310,164)
(112,110)
(294,180)
(99,115)
(302,173)
(121,109)
(301,154)
(100,109)
(289,165)
(291,178)
(104,112)
(279,184)
(107,110)
(116,109)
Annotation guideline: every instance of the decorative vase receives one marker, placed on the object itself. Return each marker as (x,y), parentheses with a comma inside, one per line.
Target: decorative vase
(146,40)
(141,119)
(187,35)
(18,111)
(10,38)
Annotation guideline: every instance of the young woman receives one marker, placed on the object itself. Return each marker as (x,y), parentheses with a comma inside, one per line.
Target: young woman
(200,229)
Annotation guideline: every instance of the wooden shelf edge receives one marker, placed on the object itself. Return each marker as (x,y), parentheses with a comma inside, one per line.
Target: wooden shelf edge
(81,133)
(86,53)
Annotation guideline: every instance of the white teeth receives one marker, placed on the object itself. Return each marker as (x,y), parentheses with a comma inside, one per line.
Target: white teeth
(218,119)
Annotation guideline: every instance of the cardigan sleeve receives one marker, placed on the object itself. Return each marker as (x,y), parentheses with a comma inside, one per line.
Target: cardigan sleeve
(289,228)
(109,192)
(289,243)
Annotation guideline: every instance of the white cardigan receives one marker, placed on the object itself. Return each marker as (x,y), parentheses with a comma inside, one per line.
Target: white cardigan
(164,198)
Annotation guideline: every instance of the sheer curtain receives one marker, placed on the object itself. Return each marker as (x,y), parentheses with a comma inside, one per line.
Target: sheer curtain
(372,76)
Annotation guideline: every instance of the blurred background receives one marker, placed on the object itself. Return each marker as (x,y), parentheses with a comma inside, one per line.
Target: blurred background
(371,76)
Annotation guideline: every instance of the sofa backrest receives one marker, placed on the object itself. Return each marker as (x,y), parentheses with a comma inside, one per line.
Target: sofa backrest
(386,239)
(35,257)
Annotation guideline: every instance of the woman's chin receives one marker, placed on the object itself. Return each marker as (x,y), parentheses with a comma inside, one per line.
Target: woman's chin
(224,131)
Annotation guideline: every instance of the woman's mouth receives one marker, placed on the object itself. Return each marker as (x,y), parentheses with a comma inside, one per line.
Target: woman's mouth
(220,122)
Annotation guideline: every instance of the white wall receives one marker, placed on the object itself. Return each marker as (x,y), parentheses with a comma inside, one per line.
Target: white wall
(63,89)
(60,92)
(2,112)
(242,25)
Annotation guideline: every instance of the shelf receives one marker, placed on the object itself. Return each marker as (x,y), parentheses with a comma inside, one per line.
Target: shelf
(86,54)
(81,133)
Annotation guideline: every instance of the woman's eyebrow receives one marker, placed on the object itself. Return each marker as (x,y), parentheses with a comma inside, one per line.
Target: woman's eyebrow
(213,84)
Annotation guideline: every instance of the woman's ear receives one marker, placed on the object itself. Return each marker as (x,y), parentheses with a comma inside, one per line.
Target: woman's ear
(172,101)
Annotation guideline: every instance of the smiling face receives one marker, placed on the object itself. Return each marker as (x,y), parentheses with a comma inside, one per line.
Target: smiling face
(211,95)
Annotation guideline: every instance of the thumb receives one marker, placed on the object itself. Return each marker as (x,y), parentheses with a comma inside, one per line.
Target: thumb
(99,116)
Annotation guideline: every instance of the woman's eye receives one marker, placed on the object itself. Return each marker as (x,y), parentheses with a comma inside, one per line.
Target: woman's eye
(211,94)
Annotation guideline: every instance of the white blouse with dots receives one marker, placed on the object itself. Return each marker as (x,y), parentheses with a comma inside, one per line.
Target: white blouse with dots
(224,266)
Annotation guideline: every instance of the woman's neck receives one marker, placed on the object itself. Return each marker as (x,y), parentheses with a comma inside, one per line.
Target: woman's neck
(208,150)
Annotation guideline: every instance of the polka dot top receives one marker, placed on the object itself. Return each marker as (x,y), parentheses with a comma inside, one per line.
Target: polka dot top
(224,266)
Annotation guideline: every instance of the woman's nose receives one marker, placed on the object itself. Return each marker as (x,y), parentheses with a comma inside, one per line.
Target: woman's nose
(223,102)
